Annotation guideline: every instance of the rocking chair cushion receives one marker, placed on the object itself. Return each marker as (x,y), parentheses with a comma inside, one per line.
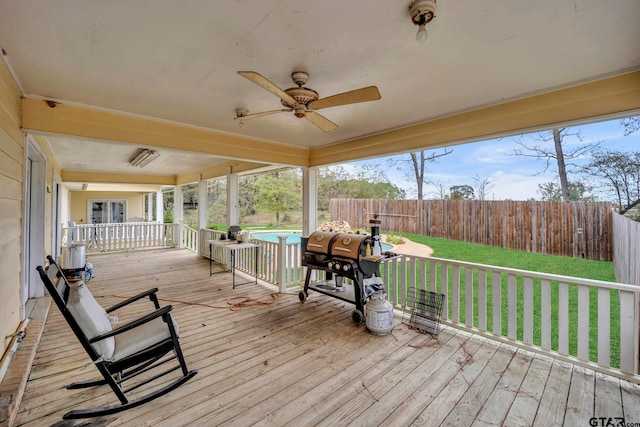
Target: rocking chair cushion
(142,337)
(92,318)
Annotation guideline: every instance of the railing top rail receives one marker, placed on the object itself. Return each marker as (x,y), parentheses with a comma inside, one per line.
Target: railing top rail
(535,274)
(109,224)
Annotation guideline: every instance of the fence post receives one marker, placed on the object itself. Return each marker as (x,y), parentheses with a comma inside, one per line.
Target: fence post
(281,264)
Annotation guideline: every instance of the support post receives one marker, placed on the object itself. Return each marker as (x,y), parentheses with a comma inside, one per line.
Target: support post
(149,207)
(159,207)
(233,214)
(281,264)
(309,201)
(178,215)
(202,212)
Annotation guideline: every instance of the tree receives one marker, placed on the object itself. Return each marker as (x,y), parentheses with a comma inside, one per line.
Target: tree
(483,186)
(620,172)
(278,192)
(329,186)
(440,191)
(366,182)
(630,125)
(461,192)
(247,194)
(414,166)
(563,158)
(578,191)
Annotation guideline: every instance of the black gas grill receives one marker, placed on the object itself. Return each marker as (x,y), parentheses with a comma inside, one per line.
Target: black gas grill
(343,256)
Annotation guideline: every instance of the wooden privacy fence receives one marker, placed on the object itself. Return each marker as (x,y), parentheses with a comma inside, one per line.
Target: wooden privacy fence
(575,229)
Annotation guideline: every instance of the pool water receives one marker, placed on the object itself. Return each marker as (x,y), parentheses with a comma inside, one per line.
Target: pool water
(294,237)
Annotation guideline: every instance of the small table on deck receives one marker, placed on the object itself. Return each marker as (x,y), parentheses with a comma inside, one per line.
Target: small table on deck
(232,247)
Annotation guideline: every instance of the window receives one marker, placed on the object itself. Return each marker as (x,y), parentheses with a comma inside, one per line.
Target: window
(107,211)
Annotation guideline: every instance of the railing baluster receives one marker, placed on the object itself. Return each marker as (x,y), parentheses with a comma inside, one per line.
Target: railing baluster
(528,311)
(455,293)
(583,322)
(422,266)
(545,314)
(402,285)
(432,275)
(512,307)
(468,296)
(394,280)
(482,299)
(444,288)
(497,302)
(628,332)
(563,318)
(604,327)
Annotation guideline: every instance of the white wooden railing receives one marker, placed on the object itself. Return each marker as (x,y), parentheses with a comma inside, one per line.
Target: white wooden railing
(590,322)
(278,263)
(189,238)
(120,236)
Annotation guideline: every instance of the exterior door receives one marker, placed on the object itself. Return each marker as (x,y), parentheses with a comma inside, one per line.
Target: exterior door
(107,211)
(35,190)
(99,211)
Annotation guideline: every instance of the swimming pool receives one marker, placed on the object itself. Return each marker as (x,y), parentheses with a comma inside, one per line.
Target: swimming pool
(293,237)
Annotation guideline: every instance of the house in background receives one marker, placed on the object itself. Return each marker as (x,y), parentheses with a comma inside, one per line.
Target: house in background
(86,87)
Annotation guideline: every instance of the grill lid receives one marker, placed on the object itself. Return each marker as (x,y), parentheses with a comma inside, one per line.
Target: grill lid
(319,241)
(349,245)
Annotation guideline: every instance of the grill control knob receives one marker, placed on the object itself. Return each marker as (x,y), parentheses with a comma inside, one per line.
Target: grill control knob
(346,267)
(330,265)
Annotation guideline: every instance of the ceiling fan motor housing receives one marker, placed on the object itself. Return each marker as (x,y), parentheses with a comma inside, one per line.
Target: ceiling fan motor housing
(302,95)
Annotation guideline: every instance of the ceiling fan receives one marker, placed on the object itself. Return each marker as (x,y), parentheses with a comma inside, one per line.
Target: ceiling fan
(304,102)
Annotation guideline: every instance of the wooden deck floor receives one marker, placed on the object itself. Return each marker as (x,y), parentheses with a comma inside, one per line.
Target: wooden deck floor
(297,364)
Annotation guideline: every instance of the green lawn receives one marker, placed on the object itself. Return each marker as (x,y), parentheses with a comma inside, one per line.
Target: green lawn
(481,254)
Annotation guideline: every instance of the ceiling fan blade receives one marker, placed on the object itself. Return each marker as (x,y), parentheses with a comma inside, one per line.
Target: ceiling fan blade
(365,94)
(267,84)
(321,121)
(263,113)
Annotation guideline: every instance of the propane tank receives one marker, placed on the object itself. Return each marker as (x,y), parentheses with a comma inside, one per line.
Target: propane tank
(379,314)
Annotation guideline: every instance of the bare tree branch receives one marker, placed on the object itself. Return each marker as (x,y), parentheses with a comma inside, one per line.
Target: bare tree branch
(557,153)
(414,166)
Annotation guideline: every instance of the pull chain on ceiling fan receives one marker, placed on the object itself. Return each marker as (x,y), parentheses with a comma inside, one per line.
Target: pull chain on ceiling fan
(304,101)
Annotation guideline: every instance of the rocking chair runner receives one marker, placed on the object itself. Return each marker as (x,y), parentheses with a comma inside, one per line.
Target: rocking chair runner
(121,353)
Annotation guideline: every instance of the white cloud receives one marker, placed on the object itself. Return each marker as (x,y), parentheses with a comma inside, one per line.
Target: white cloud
(492,153)
(514,186)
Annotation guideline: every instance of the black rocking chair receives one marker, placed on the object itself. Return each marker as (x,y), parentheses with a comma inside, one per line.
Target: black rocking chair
(119,353)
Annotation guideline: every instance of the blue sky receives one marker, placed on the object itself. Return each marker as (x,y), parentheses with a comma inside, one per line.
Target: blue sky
(513,177)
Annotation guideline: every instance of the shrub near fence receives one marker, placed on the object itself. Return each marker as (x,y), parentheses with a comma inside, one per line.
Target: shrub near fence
(575,229)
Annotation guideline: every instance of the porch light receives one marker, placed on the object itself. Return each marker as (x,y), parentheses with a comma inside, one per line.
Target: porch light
(144,158)
(422,12)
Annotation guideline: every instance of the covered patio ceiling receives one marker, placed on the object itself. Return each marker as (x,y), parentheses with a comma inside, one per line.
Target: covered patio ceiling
(163,75)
